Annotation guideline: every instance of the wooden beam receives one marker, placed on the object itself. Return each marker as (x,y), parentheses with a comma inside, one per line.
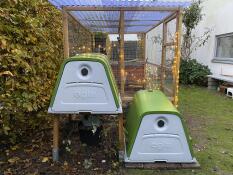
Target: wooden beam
(144,54)
(157,65)
(165,20)
(162,166)
(121,55)
(92,8)
(116,26)
(122,78)
(121,132)
(163,59)
(65,34)
(55,138)
(177,55)
(133,20)
(127,32)
(93,42)
(169,44)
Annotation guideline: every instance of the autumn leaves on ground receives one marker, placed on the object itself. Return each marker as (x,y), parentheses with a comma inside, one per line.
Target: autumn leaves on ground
(209,116)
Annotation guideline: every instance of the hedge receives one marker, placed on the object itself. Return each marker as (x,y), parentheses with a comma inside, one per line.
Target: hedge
(30,56)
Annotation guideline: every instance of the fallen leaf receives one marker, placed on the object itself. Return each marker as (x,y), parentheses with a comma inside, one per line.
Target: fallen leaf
(45,159)
(65,163)
(13,159)
(28,150)
(14,148)
(87,164)
(6,73)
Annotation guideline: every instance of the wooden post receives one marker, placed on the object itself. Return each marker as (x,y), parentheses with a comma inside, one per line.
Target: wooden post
(122,84)
(122,55)
(55,138)
(93,42)
(121,136)
(65,34)
(145,59)
(56,118)
(163,59)
(177,55)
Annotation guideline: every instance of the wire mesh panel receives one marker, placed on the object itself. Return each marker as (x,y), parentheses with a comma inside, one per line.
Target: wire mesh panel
(160,56)
(149,57)
(80,39)
(134,54)
(153,58)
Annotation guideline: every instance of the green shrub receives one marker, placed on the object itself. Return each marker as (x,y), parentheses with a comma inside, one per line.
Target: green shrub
(30,56)
(193,73)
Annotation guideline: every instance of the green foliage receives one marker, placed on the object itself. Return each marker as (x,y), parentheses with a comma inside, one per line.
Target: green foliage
(192,72)
(30,56)
(192,16)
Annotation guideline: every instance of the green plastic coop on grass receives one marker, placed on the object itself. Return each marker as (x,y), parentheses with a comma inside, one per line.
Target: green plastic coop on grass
(155,131)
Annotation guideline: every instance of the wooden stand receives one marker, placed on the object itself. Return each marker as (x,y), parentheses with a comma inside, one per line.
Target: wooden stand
(55,138)
(121,137)
(161,166)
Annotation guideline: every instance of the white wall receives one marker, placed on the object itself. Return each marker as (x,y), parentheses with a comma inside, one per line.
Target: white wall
(218,17)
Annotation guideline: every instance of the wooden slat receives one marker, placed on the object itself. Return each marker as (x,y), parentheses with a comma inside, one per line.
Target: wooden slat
(163,59)
(116,26)
(121,131)
(130,20)
(122,77)
(170,44)
(122,55)
(93,42)
(92,8)
(127,32)
(177,54)
(144,53)
(163,166)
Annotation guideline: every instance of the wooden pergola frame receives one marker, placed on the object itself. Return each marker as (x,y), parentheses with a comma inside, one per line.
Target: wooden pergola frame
(176,14)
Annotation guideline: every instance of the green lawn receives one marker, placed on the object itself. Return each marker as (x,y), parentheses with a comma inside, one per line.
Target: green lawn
(209,116)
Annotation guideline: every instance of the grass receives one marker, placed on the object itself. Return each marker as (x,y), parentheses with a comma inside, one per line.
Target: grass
(209,116)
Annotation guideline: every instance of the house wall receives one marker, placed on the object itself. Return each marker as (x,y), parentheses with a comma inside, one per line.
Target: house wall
(219,18)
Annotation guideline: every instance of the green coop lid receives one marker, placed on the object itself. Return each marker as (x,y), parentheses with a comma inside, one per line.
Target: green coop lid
(144,103)
(94,57)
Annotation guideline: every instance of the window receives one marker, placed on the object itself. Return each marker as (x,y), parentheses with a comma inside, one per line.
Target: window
(224,48)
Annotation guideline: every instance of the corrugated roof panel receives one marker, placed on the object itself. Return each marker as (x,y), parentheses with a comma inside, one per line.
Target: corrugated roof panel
(122,3)
(107,21)
(145,15)
(96,15)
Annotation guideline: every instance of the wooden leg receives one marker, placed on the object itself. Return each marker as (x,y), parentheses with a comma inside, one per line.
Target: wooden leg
(121,136)
(56,138)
